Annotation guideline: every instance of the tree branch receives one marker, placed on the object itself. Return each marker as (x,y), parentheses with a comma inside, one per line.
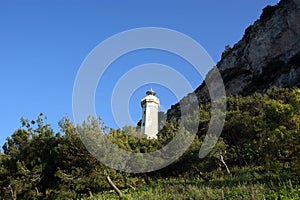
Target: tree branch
(114,186)
(221,159)
(201,174)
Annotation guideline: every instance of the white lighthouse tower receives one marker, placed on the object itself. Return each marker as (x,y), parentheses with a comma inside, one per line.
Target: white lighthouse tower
(150,105)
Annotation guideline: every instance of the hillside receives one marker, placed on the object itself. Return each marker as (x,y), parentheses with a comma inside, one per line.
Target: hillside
(268,55)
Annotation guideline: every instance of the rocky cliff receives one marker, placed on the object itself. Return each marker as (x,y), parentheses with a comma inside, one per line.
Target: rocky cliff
(267,55)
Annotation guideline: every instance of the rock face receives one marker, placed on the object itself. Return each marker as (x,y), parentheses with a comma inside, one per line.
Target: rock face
(267,55)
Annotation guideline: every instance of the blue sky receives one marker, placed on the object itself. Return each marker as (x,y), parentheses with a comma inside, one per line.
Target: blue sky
(43,43)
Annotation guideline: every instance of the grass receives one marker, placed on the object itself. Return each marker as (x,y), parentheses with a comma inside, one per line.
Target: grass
(242,184)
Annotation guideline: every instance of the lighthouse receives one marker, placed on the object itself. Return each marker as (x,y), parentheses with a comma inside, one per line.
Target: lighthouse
(150,105)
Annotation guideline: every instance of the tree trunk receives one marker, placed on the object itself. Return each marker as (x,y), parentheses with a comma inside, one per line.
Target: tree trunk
(90,193)
(13,193)
(201,174)
(37,191)
(148,182)
(223,162)
(130,186)
(114,186)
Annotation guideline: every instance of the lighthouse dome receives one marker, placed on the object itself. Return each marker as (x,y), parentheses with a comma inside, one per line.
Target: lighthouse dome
(150,97)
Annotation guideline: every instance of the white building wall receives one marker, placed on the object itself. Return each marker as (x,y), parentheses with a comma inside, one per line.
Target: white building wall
(151,119)
(149,126)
